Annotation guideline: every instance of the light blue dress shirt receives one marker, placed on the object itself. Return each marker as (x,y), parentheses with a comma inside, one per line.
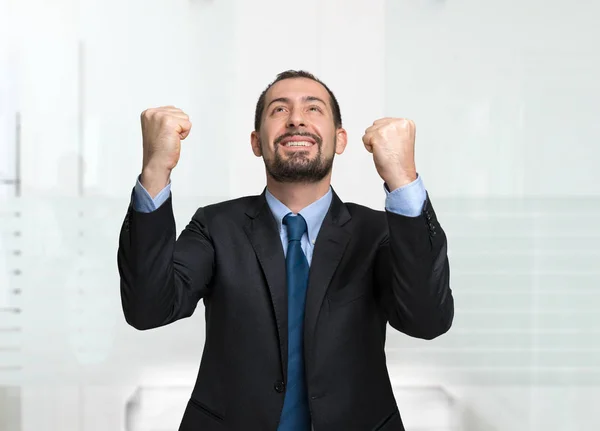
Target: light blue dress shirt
(407,201)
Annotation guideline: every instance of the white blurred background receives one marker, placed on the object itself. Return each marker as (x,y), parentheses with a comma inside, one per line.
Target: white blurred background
(506,97)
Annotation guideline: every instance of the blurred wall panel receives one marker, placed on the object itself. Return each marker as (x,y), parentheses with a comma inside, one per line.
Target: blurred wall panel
(46,37)
(504,94)
(143,54)
(8,112)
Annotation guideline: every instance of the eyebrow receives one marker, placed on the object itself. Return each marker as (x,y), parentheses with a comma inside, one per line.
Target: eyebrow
(304,99)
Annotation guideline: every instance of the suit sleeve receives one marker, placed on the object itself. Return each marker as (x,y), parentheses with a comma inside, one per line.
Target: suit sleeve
(162,278)
(413,275)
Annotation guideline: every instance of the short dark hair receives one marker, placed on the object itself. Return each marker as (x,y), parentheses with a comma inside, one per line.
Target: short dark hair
(288,74)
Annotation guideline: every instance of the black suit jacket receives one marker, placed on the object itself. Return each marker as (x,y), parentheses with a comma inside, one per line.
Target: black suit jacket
(368,268)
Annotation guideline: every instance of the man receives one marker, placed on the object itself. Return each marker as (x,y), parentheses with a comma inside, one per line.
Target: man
(298,286)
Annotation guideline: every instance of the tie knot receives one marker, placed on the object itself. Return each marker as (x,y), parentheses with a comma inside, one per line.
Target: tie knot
(296,226)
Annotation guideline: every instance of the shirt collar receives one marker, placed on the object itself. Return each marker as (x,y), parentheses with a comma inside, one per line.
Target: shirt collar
(314,214)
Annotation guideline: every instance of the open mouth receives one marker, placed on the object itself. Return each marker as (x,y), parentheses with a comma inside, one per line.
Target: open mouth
(301,141)
(297,144)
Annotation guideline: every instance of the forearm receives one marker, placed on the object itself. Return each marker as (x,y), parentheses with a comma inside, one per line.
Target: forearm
(158,284)
(414,272)
(145,262)
(154,179)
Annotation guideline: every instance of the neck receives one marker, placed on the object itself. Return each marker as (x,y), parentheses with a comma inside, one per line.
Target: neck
(297,196)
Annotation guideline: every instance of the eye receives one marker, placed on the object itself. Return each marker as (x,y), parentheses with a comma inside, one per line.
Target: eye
(315,108)
(278,109)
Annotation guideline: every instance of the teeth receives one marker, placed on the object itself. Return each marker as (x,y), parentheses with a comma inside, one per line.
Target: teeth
(299,144)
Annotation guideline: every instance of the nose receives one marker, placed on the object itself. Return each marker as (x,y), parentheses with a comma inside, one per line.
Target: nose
(296,119)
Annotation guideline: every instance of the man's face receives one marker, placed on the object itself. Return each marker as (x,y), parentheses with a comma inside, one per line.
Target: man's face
(298,138)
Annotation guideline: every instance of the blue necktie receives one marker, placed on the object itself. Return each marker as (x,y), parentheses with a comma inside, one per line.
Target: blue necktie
(296,414)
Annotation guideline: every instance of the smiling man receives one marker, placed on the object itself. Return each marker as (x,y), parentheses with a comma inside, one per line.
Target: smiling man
(298,286)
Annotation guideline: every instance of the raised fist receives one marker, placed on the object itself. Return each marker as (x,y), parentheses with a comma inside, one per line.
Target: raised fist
(392,143)
(163,129)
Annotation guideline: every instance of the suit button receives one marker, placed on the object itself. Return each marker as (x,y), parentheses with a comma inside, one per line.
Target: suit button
(279,386)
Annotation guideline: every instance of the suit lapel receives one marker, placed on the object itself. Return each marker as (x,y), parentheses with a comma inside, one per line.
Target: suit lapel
(266,241)
(331,243)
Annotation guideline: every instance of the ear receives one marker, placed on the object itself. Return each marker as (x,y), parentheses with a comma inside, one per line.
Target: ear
(255,142)
(341,140)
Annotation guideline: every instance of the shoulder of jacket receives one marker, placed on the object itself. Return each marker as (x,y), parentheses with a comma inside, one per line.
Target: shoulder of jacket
(228,208)
(362,210)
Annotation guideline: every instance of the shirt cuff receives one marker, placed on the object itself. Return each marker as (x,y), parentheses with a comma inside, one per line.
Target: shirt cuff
(143,202)
(407,200)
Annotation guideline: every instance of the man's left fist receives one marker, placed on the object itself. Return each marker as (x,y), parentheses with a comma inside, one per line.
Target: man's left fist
(392,143)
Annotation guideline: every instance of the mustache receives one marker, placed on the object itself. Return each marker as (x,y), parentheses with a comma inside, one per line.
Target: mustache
(316,138)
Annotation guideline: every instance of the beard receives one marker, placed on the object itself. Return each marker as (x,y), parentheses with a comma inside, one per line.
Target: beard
(298,167)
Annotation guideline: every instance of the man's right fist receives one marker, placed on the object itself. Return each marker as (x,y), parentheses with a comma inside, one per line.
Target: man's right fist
(163,129)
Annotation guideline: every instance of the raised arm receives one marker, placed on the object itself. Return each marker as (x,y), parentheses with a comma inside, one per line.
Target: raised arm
(162,278)
(412,270)
(413,275)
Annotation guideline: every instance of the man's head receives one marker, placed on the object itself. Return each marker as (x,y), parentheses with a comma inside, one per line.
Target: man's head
(298,128)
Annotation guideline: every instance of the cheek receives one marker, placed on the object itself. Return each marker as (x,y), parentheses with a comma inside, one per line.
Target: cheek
(273,127)
(269,136)
(266,147)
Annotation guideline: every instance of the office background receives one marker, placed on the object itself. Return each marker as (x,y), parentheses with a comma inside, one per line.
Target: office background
(506,98)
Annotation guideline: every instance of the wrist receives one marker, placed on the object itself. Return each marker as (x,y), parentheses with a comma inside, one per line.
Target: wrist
(400,180)
(154,179)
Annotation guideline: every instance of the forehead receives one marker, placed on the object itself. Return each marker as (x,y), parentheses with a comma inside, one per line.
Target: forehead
(296,89)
